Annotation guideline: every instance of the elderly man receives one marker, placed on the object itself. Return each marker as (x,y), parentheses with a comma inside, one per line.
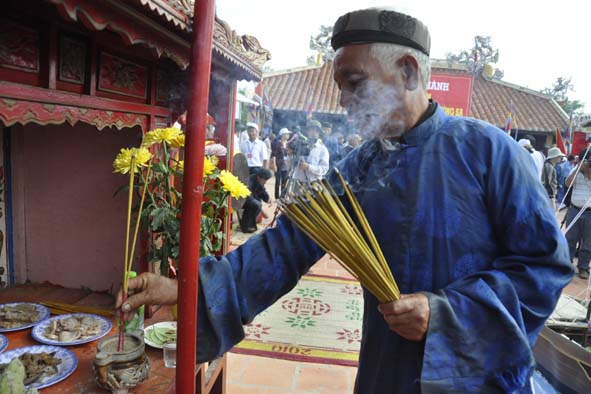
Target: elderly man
(353,141)
(549,179)
(462,221)
(254,149)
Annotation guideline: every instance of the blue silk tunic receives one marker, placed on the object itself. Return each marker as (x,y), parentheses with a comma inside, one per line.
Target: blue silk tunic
(459,215)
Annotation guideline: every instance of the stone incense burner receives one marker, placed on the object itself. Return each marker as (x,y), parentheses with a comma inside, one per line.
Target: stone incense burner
(121,371)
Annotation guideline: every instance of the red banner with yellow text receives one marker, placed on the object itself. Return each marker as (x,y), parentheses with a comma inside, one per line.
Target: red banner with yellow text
(452,92)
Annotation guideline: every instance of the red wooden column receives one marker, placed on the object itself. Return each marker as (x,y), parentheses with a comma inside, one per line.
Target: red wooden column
(204,12)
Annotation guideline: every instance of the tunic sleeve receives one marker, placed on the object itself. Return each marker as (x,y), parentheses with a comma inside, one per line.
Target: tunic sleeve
(235,288)
(483,326)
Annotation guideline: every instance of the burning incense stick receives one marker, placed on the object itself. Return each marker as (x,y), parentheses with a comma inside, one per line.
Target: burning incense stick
(320,214)
(127,230)
(129,256)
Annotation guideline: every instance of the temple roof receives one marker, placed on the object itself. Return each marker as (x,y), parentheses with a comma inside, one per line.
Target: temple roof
(292,90)
(164,26)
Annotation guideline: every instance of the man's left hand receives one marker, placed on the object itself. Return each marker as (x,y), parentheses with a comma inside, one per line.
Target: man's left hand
(304,166)
(408,316)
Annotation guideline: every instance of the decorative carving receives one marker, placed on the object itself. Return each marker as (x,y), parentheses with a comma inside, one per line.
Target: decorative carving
(19,47)
(72,60)
(121,76)
(101,15)
(246,48)
(13,111)
(223,33)
(255,52)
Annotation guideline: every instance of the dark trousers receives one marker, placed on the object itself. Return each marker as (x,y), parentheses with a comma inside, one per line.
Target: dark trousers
(280,182)
(579,233)
(250,211)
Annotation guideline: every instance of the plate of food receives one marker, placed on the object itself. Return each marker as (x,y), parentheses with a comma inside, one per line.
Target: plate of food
(158,334)
(3,343)
(21,315)
(44,365)
(71,329)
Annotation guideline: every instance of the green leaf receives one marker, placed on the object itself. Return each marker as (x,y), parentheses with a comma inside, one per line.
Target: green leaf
(121,188)
(158,217)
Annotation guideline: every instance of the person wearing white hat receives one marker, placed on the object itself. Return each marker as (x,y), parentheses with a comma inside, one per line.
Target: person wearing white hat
(549,174)
(279,159)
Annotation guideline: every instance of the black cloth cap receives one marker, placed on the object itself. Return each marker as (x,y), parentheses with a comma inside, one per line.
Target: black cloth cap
(380,25)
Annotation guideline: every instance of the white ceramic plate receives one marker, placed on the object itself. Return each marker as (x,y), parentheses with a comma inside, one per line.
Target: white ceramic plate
(3,343)
(65,369)
(43,313)
(38,331)
(164,324)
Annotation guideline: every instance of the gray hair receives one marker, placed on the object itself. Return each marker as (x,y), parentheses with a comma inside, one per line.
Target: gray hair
(387,54)
(352,137)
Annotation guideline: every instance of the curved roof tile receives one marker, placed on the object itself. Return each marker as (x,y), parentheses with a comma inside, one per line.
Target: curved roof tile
(288,91)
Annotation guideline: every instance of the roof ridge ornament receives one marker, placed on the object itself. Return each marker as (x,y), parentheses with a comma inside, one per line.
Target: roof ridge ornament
(245,46)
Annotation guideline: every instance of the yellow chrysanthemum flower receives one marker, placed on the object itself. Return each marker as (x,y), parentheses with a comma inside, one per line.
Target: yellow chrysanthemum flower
(180,165)
(161,135)
(122,163)
(208,167)
(214,160)
(233,185)
(178,142)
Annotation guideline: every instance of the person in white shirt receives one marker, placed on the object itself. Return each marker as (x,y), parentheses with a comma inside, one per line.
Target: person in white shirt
(538,156)
(254,149)
(580,232)
(244,133)
(315,165)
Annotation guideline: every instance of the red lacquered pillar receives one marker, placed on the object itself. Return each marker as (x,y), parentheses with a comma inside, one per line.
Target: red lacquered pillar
(192,194)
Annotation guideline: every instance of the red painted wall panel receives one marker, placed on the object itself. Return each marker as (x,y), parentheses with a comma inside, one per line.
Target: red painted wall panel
(73,226)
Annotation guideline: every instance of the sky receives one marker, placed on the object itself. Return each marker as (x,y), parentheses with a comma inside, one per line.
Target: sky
(538,41)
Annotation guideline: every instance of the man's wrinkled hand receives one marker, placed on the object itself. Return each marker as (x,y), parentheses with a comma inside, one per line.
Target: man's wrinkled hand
(147,288)
(304,166)
(408,316)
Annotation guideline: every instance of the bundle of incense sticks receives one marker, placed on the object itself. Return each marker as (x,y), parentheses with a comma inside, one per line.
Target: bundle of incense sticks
(319,213)
(129,254)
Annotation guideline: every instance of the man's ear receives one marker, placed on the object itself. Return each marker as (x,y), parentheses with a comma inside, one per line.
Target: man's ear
(410,71)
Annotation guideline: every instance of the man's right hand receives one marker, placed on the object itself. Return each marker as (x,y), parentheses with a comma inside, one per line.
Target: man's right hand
(147,288)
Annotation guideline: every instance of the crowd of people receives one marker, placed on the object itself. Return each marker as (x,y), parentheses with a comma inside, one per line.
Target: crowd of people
(296,155)
(563,178)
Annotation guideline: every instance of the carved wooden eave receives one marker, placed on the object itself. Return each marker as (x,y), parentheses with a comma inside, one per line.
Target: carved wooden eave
(244,55)
(178,13)
(25,112)
(132,26)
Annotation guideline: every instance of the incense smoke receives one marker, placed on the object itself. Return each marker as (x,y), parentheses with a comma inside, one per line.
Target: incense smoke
(374,109)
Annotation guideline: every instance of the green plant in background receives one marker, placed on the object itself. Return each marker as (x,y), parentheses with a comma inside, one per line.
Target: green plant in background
(159,166)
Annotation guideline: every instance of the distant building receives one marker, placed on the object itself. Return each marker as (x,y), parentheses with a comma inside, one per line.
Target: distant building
(294,92)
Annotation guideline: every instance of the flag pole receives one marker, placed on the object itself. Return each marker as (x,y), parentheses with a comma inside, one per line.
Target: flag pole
(203,20)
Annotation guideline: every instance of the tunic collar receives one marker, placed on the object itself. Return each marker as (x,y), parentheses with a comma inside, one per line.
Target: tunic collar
(418,135)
